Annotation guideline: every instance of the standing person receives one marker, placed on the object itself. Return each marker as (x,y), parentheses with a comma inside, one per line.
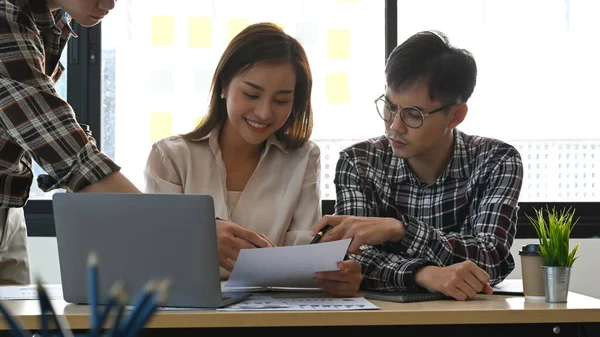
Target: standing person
(36,124)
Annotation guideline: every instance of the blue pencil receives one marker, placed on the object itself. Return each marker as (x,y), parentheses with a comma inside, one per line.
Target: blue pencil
(16,328)
(159,298)
(142,298)
(61,323)
(92,265)
(114,291)
(122,300)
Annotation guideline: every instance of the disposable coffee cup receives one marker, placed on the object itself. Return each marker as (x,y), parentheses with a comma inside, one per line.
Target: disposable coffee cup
(531,269)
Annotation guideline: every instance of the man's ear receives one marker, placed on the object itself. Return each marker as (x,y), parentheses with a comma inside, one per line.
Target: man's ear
(458,116)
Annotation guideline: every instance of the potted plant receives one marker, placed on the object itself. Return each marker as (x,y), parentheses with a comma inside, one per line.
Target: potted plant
(553,229)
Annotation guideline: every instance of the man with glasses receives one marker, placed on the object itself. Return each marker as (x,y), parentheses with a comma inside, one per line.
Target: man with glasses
(427,206)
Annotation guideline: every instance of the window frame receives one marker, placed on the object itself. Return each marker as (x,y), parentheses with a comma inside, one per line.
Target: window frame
(84,95)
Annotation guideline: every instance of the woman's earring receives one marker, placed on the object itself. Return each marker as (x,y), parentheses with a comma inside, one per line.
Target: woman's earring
(222,96)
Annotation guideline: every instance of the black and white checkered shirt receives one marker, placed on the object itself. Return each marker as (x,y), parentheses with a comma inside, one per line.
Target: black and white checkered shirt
(468,213)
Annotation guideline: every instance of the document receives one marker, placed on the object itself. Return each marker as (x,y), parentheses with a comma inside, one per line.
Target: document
(29,292)
(290,266)
(267,303)
(509,287)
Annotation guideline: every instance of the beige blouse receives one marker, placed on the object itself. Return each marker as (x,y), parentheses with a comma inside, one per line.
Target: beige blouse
(281,199)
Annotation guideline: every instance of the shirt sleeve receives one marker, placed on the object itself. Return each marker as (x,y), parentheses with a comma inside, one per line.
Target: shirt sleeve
(491,228)
(382,270)
(160,175)
(38,120)
(308,210)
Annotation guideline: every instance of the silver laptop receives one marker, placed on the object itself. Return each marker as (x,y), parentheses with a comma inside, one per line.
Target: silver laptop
(139,237)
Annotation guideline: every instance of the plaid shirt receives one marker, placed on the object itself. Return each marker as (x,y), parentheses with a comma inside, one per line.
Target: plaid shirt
(35,122)
(468,213)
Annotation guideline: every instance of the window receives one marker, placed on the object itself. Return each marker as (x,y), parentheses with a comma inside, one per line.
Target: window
(536,82)
(158,64)
(535,87)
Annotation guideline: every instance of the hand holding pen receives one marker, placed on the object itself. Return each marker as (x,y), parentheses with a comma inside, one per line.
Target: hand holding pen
(321,233)
(232,238)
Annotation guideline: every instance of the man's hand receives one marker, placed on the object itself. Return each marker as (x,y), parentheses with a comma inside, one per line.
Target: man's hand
(461,280)
(344,282)
(362,230)
(233,237)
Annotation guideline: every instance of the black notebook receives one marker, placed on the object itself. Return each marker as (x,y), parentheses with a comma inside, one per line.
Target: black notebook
(404,296)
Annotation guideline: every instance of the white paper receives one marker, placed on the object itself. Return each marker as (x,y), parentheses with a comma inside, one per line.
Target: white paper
(289,266)
(29,292)
(266,303)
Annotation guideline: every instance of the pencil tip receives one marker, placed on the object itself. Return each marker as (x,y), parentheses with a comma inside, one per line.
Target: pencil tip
(164,289)
(151,286)
(116,288)
(92,259)
(122,297)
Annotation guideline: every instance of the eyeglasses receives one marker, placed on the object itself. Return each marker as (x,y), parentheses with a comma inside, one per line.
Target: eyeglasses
(411,116)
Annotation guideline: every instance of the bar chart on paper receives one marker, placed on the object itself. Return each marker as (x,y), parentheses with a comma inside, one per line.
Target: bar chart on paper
(257,303)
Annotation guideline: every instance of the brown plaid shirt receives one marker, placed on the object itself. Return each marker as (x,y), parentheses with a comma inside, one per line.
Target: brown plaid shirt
(35,123)
(468,213)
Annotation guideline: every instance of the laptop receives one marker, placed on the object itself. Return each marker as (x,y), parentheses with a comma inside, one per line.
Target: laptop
(139,237)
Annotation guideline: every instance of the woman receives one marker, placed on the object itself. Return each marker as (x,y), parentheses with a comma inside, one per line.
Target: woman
(252,151)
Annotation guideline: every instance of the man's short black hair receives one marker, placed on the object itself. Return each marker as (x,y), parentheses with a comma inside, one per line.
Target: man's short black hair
(428,58)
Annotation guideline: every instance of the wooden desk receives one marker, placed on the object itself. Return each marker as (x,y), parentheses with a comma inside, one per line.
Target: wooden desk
(488,315)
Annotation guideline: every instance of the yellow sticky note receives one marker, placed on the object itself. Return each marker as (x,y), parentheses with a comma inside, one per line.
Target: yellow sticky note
(163,30)
(197,121)
(338,44)
(235,26)
(161,125)
(338,90)
(199,32)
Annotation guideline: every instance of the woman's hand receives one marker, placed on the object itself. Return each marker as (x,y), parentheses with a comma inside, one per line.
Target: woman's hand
(233,237)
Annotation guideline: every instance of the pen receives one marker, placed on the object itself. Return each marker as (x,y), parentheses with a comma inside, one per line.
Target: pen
(321,233)
(217,218)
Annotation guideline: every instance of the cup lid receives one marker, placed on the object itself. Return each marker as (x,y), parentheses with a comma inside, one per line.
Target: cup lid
(531,249)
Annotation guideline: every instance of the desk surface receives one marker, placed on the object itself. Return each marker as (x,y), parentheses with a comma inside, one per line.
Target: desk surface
(485,309)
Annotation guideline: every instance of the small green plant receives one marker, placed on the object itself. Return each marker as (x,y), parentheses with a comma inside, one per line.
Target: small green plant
(554,234)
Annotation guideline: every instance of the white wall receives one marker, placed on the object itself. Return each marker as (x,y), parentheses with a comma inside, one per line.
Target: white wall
(584,278)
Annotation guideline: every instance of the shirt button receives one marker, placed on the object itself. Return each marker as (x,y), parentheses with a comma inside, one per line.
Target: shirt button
(410,251)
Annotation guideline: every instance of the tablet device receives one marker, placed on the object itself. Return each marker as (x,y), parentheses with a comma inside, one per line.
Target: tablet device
(404,296)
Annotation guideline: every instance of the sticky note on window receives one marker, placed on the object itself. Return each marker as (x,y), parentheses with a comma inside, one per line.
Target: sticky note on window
(338,44)
(307,32)
(279,24)
(199,32)
(161,125)
(162,81)
(202,81)
(235,26)
(163,30)
(338,90)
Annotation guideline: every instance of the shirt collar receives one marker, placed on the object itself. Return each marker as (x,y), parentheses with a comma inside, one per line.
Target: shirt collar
(44,19)
(457,168)
(213,142)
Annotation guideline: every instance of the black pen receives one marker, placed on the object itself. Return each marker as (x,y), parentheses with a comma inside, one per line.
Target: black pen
(321,233)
